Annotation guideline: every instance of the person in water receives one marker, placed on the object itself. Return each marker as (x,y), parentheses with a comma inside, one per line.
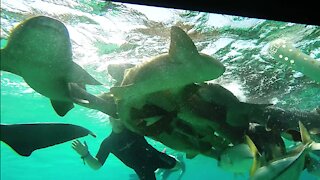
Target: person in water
(133,150)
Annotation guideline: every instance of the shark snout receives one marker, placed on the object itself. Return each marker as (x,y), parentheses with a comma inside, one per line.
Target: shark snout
(213,67)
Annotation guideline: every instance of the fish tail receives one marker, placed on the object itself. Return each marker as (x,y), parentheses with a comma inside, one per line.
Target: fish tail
(256,155)
(306,138)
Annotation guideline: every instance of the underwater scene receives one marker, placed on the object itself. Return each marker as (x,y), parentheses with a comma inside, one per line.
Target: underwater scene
(215,96)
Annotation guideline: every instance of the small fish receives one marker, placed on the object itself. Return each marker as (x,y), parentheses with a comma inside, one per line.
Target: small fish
(240,158)
(291,165)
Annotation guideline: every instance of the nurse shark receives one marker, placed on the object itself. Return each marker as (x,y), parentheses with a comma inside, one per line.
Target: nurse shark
(39,50)
(285,52)
(182,65)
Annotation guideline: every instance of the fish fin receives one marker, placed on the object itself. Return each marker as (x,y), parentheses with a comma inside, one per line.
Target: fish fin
(61,107)
(5,66)
(305,136)
(256,155)
(315,146)
(181,42)
(26,138)
(77,93)
(117,71)
(191,155)
(150,121)
(81,76)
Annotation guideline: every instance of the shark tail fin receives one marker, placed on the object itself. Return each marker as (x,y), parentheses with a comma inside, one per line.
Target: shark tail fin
(256,155)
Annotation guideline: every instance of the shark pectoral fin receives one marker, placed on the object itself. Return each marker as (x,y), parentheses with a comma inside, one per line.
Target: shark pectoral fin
(81,76)
(6,64)
(61,107)
(26,138)
(181,44)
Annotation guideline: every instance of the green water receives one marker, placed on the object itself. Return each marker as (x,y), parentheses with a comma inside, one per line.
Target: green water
(103,34)
(60,161)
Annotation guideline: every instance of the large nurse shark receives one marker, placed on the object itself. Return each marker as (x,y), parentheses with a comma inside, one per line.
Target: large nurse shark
(39,50)
(183,65)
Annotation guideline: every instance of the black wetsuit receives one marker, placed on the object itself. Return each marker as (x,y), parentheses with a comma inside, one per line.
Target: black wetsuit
(135,152)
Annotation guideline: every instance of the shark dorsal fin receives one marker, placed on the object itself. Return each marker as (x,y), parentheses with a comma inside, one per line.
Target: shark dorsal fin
(181,44)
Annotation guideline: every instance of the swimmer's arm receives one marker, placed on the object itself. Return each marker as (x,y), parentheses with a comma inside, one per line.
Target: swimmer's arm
(92,162)
(83,151)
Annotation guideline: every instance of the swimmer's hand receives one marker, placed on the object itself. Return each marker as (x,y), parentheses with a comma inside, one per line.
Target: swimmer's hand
(81,149)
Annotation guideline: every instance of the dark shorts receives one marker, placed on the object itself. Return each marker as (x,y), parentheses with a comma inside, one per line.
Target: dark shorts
(166,162)
(161,160)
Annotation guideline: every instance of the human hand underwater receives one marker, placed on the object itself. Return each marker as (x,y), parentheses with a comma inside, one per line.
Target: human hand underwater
(81,149)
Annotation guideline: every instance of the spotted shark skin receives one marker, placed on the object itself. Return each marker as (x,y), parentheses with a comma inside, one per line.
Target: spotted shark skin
(284,52)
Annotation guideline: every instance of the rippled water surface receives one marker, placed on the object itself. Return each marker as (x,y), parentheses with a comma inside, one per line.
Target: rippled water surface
(104,33)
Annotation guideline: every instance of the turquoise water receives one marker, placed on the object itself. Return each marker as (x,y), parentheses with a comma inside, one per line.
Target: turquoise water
(61,161)
(103,34)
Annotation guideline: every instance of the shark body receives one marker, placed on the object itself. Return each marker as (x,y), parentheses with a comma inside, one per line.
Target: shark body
(39,50)
(183,65)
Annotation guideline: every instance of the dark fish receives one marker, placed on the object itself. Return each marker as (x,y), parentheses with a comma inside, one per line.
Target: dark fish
(26,138)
